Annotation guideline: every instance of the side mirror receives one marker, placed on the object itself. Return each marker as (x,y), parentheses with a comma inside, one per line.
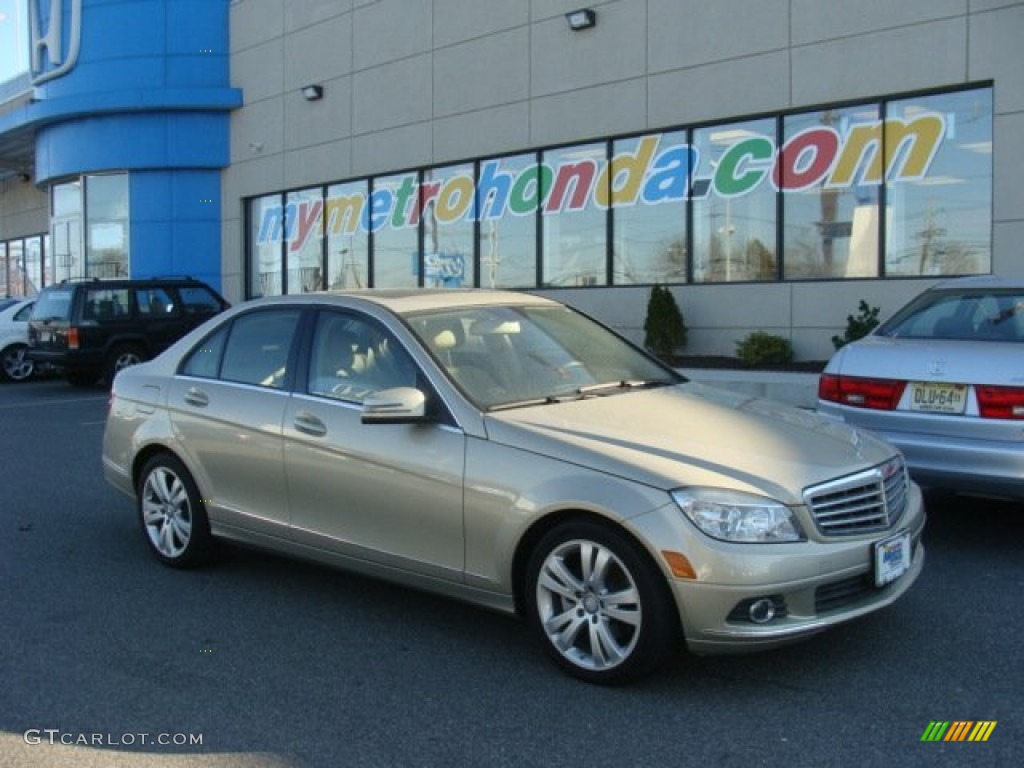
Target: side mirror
(400,405)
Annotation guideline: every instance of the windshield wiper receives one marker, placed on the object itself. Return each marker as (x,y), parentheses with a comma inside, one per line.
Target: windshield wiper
(548,400)
(582,392)
(624,385)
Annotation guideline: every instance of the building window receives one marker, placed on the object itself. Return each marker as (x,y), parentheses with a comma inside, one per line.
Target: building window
(21,266)
(106,214)
(348,247)
(508,229)
(304,252)
(575,228)
(888,188)
(831,227)
(393,215)
(90,216)
(734,203)
(939,207)
(447,197)
(266,242)
(649,208)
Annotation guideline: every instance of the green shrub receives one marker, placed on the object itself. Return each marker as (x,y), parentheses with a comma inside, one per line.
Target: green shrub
(760,348)
(664,327)
(859,326)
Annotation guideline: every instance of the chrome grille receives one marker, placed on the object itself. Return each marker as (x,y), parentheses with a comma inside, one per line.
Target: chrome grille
(867,501)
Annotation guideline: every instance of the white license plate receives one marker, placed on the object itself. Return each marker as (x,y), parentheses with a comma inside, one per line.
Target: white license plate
(935,397)
(892,558)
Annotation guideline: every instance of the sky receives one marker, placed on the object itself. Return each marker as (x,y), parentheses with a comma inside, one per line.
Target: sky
(13,38)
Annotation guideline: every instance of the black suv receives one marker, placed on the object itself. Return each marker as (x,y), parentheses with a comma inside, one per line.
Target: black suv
(94,328)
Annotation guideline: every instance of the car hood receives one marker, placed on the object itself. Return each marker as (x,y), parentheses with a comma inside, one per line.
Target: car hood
(691,434)
(955,361)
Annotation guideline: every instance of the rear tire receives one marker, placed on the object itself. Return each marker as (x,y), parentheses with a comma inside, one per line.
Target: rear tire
(120,358)
(15,365)
(599,606)
(172,515)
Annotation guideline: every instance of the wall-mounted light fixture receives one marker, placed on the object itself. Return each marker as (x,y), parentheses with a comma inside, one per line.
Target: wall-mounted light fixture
(312,92)
(584,18)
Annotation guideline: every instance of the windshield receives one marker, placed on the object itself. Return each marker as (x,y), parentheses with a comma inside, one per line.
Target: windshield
(53,305)
(984,315)
(507,356)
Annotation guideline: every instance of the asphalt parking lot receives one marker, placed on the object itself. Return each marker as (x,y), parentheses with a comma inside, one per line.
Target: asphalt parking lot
(110,659)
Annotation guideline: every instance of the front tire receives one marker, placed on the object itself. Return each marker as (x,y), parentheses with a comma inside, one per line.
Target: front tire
(173,517)
(15,365)
(600,607)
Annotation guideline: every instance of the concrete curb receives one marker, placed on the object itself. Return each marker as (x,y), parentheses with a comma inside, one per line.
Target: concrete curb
(799,389)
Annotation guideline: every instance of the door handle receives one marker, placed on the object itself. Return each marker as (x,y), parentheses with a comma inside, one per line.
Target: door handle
(309,424)
(197,397)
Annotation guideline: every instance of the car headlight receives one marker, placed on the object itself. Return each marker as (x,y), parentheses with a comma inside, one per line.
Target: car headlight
(738,516)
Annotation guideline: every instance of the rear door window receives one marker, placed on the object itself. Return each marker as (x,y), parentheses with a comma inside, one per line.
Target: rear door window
(155,303)
(259,347)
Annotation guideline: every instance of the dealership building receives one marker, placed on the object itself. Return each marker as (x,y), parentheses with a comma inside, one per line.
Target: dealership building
(774,162)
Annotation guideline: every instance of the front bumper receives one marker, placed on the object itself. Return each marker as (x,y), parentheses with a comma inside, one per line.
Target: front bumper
(815,584)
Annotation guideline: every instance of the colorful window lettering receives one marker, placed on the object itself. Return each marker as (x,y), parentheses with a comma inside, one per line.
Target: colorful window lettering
(898,187)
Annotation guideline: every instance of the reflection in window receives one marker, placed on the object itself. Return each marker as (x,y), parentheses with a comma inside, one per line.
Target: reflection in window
(66,230)
(33,265)
(508,224)
(266,234)
(575,227)
(831,231)
(304,222)
(734,203)
(348,264)
(940,223)
(106,207)
(649,225)
(391,213)
(446,202)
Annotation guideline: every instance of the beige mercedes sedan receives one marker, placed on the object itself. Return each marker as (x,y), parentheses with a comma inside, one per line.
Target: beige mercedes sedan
(505,449)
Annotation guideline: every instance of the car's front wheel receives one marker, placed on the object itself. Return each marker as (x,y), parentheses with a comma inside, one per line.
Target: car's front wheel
(601,608)
(172,514)
(16,365)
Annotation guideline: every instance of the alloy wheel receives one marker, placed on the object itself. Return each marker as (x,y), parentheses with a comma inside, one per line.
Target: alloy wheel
(589,605)
(16,364)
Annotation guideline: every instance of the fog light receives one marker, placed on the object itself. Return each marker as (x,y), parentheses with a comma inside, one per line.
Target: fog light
(762,611)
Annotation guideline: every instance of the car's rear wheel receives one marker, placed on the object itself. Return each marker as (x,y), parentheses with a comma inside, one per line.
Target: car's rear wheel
(124,356)
(172,514)
(16,365)
(601,608)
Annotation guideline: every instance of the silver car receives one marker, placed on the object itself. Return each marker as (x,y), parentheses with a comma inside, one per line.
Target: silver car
(507,450)
(943,381)
(14,363)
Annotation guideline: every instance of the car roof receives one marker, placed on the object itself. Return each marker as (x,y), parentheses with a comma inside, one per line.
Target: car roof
(411,301)
(125,282)
(979,282)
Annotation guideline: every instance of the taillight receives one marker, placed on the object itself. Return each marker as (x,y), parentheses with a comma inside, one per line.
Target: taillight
(1000,402)
(879,394)
(72,338)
